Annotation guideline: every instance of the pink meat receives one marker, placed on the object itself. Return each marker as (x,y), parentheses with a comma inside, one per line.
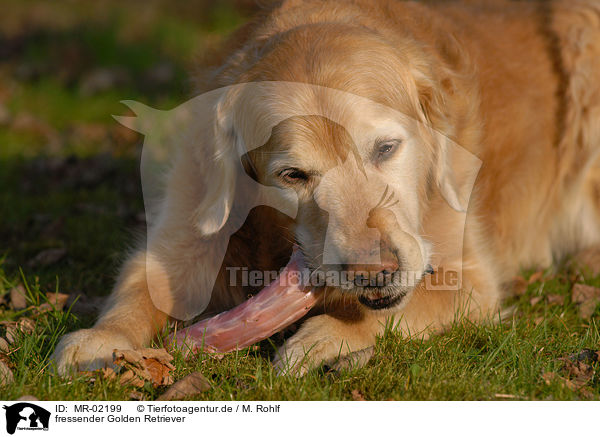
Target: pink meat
(276,306)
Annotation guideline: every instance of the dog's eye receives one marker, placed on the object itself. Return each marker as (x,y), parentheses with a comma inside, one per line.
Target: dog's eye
(387,148)
(293,175)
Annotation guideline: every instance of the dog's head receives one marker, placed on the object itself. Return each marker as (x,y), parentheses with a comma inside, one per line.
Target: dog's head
(359,144)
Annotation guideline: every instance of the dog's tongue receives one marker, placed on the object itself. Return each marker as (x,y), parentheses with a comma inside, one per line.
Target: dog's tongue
(276,306)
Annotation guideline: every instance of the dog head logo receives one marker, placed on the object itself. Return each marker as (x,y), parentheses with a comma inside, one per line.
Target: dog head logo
(26,416)
(205,140)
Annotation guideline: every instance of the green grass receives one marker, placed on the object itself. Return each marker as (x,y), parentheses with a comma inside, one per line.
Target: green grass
(81,192)
(468,362)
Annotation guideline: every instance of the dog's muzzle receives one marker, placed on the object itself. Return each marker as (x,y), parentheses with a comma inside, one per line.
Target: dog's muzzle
(380,303)
(375,300)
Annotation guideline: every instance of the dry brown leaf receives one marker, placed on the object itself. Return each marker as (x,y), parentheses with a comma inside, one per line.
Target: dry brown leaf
(160,374)
(17,297)
(138,355)
(152,365)
(57,300)
(585,392)
(534,300)
(6,375)
(535,277)
(579,371)
(548,377)
(136,396)
(588,259)
(572,384)
(556,299)
(108,373)
(190,385)
(581,293)
(41,309)
(354,360)
(357,396)
(587,308)
(24,325)
(587,297)
(131,378)
(519,285)
(4,347)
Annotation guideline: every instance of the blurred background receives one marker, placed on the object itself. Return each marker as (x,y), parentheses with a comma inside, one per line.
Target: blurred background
(70,195)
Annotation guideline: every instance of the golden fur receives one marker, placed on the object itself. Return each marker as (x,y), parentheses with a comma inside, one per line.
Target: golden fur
(515,83)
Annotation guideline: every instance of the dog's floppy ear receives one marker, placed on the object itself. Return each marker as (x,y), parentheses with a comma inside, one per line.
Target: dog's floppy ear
(445,175)
(220,174)
(444,107)
(436,128)
(215,207)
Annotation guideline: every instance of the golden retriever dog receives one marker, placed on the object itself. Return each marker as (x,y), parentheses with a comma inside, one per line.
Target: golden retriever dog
(514,83)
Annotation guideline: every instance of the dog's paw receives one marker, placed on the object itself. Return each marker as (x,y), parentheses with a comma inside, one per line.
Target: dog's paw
(352,361)
(316,343)
(325,340)
(87,349)
(297,356)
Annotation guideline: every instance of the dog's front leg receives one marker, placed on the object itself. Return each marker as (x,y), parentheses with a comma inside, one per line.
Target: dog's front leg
(324,339)
(128,321)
